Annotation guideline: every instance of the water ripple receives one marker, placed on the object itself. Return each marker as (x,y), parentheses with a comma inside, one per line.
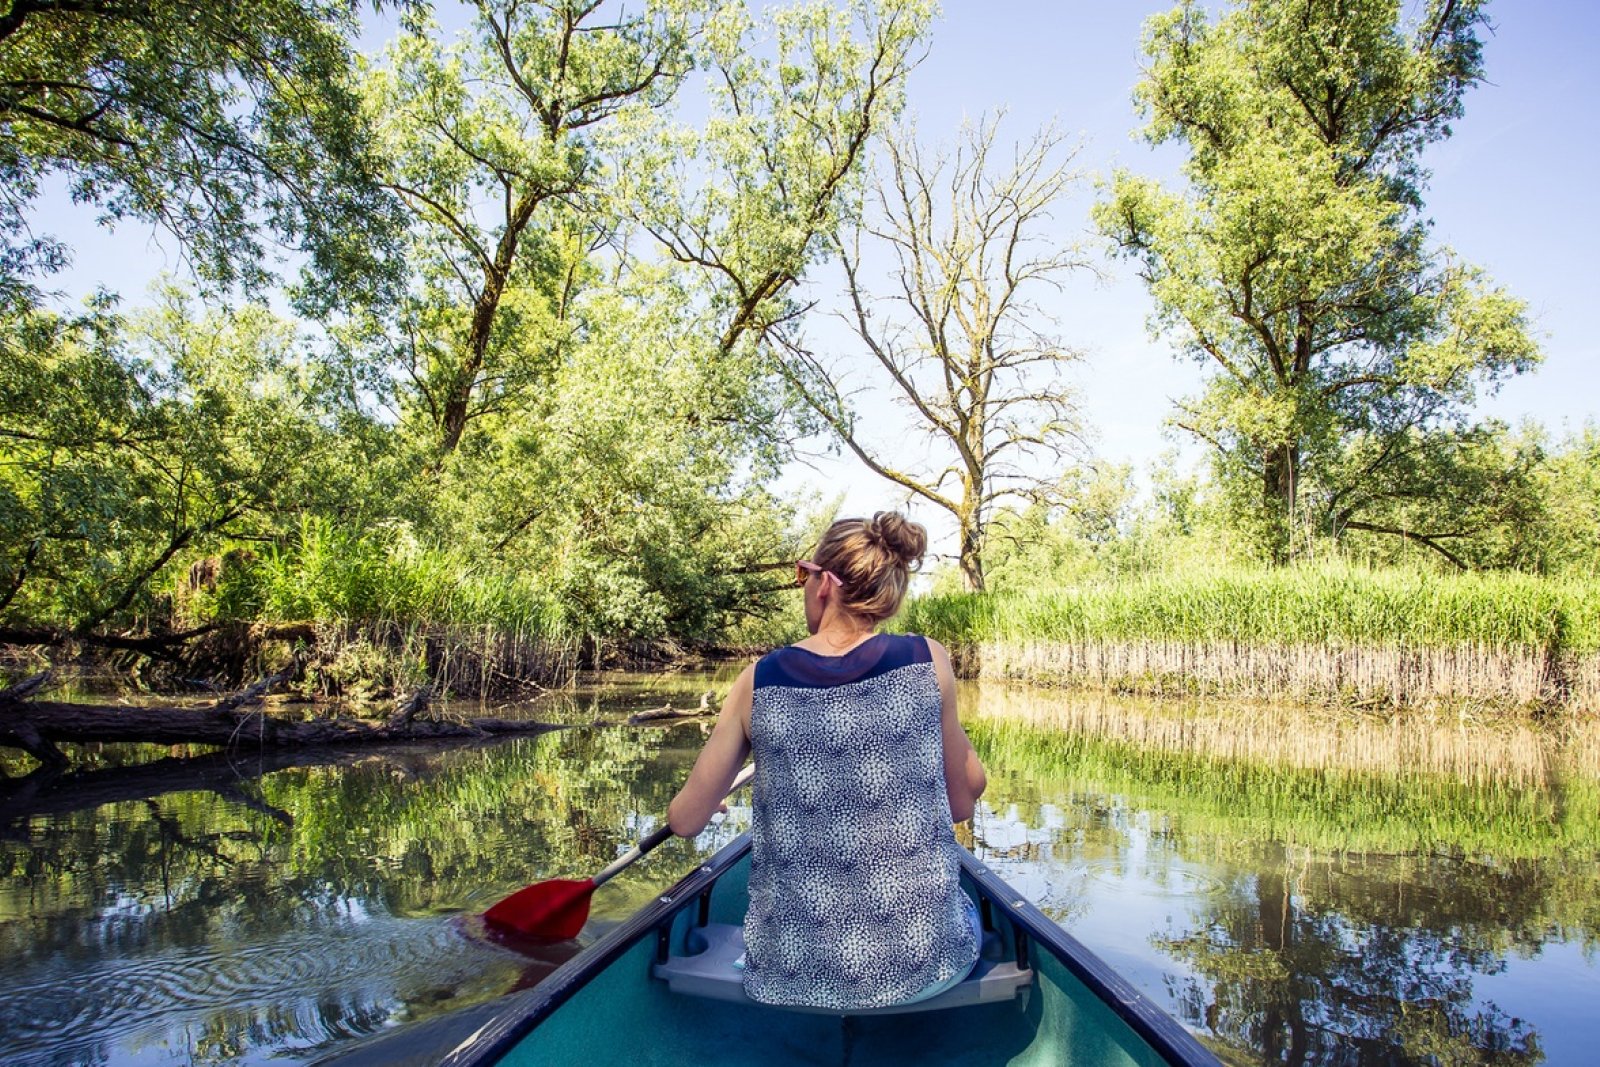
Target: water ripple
(304,988)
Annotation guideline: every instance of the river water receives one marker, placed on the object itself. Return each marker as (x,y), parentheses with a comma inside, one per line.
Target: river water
(1294,887)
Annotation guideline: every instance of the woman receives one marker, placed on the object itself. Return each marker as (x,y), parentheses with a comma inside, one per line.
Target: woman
(861,766)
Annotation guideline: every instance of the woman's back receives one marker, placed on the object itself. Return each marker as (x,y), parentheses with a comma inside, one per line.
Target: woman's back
(855,900)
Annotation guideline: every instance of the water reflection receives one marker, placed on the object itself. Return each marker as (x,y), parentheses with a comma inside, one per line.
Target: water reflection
(1283,887)
(1310,962)
(215,911)
(1274,942)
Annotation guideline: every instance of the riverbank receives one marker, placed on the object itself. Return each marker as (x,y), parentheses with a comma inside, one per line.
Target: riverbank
(1331,636)
(1335,636)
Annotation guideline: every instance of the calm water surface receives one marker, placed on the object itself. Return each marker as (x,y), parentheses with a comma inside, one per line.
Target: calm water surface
(1295,890)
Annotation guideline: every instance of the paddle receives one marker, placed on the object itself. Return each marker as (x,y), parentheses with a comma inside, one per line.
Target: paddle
(558,908)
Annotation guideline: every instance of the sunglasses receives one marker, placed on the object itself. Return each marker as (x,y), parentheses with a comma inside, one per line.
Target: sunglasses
(804,569)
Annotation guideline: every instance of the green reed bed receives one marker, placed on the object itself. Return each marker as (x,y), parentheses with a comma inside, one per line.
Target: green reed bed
(390,613)
(1332,634)
(385,576)
(1291,605)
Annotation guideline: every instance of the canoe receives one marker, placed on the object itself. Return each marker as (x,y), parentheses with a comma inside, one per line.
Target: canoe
(661,989)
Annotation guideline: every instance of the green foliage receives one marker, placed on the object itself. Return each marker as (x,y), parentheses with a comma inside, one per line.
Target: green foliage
(206,120)
(550,427)
(127,446)
(580,408)
(744,200)
(1565,534)
(328,572)
(508,115)
(563,418)
(1346,351)
(1100,531)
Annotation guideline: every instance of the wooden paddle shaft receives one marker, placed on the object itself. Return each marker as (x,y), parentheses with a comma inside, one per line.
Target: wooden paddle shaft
(655,838)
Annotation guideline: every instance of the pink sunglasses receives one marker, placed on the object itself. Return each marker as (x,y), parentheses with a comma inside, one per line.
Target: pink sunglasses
(804,569)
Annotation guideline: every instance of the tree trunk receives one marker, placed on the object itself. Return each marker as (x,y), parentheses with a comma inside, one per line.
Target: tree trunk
(456,410)
(1281,477)
(971,554)
(457,407)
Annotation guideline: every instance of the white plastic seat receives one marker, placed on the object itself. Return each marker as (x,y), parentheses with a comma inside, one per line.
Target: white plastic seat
(709,971)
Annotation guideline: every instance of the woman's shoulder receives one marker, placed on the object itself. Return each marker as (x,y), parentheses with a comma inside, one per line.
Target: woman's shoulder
(800,666)
(915,648)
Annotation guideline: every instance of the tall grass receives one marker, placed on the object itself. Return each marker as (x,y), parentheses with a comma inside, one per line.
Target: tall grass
(390,613)
(1327,632)
(331,574)
(1302,605)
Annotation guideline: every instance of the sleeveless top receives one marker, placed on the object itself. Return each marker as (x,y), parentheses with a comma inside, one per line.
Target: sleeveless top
(855,898)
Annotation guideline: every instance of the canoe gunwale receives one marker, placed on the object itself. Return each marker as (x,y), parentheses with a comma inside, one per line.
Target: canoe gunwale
(525,1011)
(1158,1029)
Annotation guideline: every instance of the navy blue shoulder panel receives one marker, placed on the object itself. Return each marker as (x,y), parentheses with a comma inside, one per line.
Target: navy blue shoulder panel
(802,669)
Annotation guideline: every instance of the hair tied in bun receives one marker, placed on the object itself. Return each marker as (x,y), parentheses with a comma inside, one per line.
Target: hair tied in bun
(906,539)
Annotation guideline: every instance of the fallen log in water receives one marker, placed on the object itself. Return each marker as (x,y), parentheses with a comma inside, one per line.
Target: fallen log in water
(234,722)
(668,712)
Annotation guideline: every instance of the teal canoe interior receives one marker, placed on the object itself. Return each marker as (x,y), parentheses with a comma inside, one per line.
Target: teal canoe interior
(624,1015)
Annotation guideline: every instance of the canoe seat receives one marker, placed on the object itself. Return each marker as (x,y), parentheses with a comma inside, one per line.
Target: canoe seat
(709,971)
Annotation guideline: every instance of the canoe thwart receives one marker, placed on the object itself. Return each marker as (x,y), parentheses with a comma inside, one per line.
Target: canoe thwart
(710,971)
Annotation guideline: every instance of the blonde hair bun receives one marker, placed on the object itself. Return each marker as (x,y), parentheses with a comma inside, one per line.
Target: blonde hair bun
(904,538)
(873,559)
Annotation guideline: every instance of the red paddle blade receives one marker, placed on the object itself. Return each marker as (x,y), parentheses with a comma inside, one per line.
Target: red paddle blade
(556,909)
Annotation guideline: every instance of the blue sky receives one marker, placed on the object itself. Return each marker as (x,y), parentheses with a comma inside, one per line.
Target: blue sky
(1512,191)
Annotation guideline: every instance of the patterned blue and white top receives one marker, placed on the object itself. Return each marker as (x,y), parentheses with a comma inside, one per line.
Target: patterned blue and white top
(855,898)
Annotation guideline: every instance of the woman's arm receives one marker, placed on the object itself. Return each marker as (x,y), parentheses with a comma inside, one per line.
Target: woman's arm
(964,777)
(718,763)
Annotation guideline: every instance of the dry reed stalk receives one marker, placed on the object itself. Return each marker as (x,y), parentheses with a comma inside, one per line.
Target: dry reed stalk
(1306,673)
(456,662)
(1300,738)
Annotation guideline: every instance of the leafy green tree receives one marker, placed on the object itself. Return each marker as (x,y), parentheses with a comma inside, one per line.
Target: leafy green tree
(1568,485)
(490,144)
(1469,495)
(207,120)
(557,116)
(579,414)
(747,202)
(1297,262)
(644,513)
(585,407)
(1091,528)
(127,445)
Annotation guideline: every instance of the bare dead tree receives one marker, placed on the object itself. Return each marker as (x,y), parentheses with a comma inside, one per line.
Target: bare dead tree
(958,333)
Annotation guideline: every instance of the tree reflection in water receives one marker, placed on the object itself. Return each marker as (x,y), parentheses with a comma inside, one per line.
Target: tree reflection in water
(1294,904)
(1335,914)
(210,912)
(1306,964)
